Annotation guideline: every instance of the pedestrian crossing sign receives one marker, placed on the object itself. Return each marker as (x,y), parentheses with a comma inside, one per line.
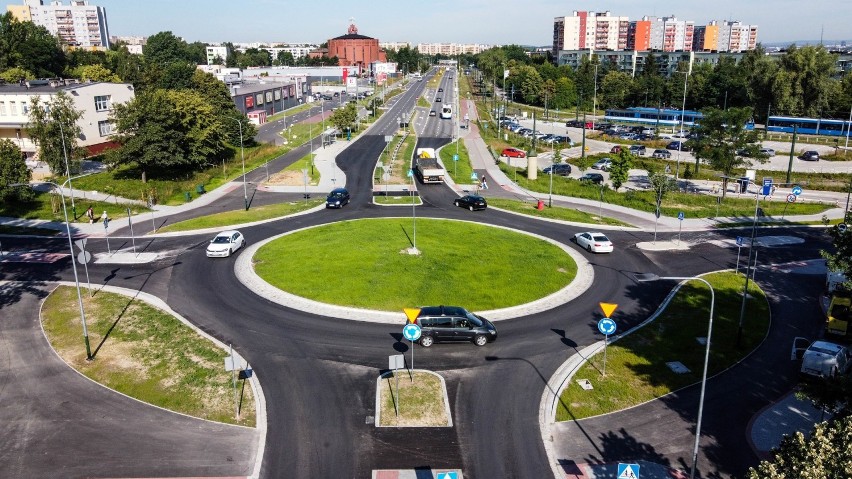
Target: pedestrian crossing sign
(628,471)
(448,475)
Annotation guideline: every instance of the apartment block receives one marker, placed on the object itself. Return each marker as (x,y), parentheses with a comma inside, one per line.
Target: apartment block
(395,46)
(737,37)
(77,24)
(598,30)
(451,48)
(95,100)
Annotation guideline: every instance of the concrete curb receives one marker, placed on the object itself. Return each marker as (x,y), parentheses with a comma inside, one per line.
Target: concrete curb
(443,388)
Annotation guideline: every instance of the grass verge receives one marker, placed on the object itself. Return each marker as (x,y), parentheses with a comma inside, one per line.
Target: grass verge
(26,231)
(420,400)
(636,370)
(306,163)
(146,354)
(396,198)
(48,206)
(461,170)
(519,269)
(237,217)
(556,212)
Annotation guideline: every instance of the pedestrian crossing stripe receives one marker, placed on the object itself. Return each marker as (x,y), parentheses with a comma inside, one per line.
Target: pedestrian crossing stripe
(628,471)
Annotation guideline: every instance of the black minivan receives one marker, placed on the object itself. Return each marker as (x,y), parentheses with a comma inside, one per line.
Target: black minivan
(453,324)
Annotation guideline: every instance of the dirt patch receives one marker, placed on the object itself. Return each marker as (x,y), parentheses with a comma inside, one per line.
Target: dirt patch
(420,401)
(288,178)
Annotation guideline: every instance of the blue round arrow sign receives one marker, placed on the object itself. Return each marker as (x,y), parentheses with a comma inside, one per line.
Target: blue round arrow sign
(411,332)
(606,326)
(797,190)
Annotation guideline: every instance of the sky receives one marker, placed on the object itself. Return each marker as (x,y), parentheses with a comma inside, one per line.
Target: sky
(490,22)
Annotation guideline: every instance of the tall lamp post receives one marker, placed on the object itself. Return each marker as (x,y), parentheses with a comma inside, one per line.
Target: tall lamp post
(653,277)
(58,188)
(748,266)
(680,133)
(243,157)
(595,97)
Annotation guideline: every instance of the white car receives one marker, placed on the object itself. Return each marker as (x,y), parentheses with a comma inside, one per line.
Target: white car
(225,244)
(593,242)
(826,360)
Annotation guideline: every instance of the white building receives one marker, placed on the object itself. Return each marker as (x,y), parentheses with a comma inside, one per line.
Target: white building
(451,49)
(395,46)
(94,100)
(216,53)
(737,37)
(668,34)
(583,30)
(77,24)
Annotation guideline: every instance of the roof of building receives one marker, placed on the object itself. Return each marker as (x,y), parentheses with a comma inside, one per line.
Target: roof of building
(250,88)
(353,36)
(50,85)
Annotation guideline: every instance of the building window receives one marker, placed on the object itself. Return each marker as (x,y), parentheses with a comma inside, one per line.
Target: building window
(105,128)
(13,108)
(259,99)
(2,108)
(102,103)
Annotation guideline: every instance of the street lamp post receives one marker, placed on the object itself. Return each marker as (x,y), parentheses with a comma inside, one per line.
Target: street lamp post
(595,98)
(58,188)
(748,267)
(67,168)
(680,133)
(654,277)
(243,156)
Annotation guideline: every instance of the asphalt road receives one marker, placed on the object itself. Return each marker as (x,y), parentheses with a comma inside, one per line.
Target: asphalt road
(319,373)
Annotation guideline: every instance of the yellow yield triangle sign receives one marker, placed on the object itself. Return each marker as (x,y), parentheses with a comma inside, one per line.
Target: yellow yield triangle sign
(608,309)
(411,313)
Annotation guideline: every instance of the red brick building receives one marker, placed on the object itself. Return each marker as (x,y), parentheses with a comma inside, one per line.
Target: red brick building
(354,49)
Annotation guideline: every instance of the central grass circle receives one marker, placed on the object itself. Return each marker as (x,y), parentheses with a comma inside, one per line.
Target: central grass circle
(364,264)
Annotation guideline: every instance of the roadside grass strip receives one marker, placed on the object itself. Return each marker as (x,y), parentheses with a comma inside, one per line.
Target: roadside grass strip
(146,354)
(467,264)
(636,370)
(48,206)
(459,170)
(555,213)
(397,199)
(238,217)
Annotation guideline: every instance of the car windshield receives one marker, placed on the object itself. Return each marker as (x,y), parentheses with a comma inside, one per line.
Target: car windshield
(601,238)
(474,319)
(222,239)
(822,351)
(336,194)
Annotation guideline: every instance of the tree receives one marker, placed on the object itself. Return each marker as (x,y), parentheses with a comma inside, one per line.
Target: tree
(30,47)
(13,169)
(218,96)
(166,131)
(826,453)
(285,58)
(614,89)
(53,128)
(841,259)
(564,93)
(344,118)
(620,168)
(15,74)
(722,138)
(164,48)
(95,73)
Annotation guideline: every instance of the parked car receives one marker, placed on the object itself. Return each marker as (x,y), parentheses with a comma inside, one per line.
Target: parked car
(638,150)
(767,151)
(810,155)
(513,153)
(453,324)
(678,145)
(471,202)
(661,153)
(562,169)
(615,149)
(225,244)
(595,178)
(593,242)
(338,198)
(823,359)
(603,164)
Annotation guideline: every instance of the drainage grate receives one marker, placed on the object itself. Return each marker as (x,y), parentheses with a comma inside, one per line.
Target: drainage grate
(677,367)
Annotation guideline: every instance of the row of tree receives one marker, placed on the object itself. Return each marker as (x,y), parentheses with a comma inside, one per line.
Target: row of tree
(800,82)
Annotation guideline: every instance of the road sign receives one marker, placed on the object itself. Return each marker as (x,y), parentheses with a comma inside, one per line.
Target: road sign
(842,227)
(791,198)
(447,475)
(680,215)
(740,240)
(628,471)
(81,243)
(411,313)
(797,190)
(767,186)
(455,157)
(411,332)
(608,308)
(84,257)
(473,176)
(410,173)
(396,361)
(606,326)
(388,138)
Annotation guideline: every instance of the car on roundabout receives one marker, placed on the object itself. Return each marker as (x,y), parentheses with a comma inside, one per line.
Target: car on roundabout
(225,244)
(513,153)
(471,202)
(338,198)
(440,324)
(593,242)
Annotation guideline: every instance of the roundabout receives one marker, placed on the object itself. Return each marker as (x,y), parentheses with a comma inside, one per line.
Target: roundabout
(361,270)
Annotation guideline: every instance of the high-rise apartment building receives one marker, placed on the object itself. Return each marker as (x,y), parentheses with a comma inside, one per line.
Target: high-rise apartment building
(592,30)
(451,48)
(736,37)
(639,35)
(668,34)
(77,24)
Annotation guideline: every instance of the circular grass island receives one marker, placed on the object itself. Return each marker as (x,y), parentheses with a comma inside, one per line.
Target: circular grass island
(368,264)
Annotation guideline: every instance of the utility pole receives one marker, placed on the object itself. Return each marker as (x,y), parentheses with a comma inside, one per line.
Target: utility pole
(792,152)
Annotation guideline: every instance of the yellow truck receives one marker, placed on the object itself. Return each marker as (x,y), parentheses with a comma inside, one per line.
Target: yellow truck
(837,321)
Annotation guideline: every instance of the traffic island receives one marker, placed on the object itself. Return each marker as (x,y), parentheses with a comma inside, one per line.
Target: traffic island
(406,398)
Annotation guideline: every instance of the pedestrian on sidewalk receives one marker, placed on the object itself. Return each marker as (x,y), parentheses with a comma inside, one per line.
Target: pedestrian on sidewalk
(90,213)
(104,217)
(484,184)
